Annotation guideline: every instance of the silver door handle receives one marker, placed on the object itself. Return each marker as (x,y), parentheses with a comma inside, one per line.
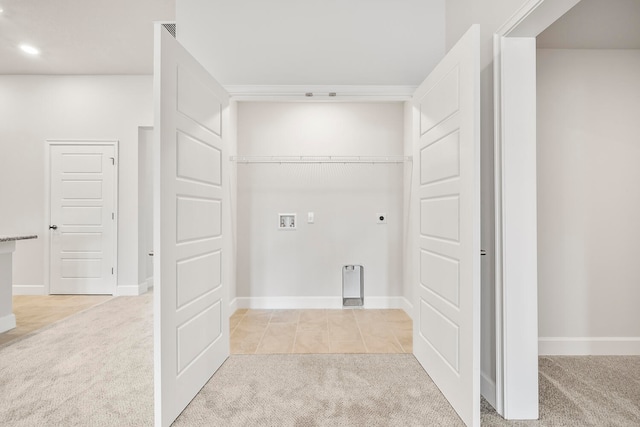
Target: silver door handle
(151,253)
(53,227)
(483,252)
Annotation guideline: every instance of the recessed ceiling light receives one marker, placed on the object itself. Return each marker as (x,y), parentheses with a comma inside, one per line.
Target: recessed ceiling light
(29,49)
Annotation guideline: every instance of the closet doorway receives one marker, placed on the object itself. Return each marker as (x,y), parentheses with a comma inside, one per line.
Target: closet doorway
(565,313)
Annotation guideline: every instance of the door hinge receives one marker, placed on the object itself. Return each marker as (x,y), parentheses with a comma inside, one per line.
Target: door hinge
(113,215)
(113,160)
(112,271)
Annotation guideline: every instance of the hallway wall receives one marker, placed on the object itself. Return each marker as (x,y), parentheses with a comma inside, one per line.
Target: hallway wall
(588,204)
(36,108)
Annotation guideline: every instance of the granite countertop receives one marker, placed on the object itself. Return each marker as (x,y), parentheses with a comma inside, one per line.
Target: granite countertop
(12,238)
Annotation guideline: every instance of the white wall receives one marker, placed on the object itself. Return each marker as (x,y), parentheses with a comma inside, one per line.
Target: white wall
(36,108)
(232,149)
(306,263)
(588,202)
(409,235)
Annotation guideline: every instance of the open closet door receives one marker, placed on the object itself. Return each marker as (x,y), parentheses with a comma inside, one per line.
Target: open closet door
(447,289)
(191,338)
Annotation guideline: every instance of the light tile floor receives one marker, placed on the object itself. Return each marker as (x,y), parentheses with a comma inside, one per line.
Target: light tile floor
(37,311)
(320,331)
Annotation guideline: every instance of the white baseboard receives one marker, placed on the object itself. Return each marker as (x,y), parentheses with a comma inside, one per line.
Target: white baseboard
(272,303)
(28,290)
(407,306)
(488,389)
(233,306)
(316,302)
(131,290)
(389,302)
(128,290)
(7,322)
(588,346)
(149,283)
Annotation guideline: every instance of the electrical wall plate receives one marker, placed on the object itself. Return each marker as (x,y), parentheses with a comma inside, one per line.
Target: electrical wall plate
(381,218)
(287,221)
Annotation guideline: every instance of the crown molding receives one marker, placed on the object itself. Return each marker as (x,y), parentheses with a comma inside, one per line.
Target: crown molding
(343,93)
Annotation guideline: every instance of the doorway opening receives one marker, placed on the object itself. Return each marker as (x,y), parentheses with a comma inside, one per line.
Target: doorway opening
(333,166)
(517,260)
(195,212)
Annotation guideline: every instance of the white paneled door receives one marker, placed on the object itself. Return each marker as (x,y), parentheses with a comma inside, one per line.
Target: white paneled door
(82,219)
(191,216)
(447,289)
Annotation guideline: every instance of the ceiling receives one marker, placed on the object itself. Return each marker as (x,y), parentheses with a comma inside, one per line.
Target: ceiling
(314,42)
(372,42)
(595,24)
(80,36)
(247,42)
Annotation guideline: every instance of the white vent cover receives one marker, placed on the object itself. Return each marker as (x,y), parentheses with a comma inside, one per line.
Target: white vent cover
(171,28)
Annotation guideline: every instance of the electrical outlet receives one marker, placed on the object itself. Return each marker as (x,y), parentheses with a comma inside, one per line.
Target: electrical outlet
(381,218)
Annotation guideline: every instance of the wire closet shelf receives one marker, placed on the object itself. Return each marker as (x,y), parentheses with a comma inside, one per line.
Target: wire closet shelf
(321,159)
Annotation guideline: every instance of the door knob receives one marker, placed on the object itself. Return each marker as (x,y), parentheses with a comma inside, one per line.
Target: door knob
(53,227)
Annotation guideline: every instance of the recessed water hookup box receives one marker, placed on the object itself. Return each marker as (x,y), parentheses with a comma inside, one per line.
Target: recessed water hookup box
(352,286)
(287,221)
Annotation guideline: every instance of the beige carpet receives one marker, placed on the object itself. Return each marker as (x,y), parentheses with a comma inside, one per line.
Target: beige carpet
(96,369)
(91,369)
(320,390)
(584,391)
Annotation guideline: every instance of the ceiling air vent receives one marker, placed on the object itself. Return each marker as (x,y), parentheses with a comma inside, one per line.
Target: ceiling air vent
(171,28)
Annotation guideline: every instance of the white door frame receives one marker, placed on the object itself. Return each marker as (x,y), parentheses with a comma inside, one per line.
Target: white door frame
(516,265)
(47,203)
(143,251)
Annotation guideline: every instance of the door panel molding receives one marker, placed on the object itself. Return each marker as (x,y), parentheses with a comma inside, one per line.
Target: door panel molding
(191,228)
(446,199)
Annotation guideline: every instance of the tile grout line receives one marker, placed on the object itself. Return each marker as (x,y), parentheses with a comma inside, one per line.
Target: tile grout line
(237,324)
(264,332)
(329,340)
(393,331)
(295,334)
(326,318)
(366,349)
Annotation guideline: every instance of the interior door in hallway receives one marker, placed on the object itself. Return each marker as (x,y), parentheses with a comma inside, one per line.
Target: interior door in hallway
(82,218)
(191,214)
(447,206)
